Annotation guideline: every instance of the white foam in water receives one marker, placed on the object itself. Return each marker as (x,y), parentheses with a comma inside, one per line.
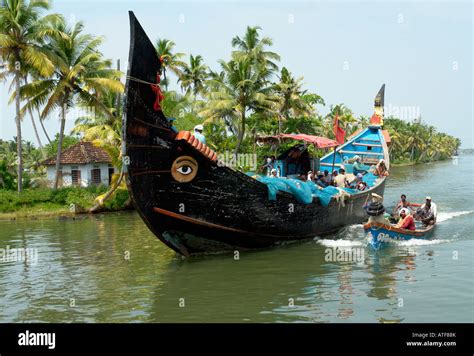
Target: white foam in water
(442,216)
(339,243)
(419,242)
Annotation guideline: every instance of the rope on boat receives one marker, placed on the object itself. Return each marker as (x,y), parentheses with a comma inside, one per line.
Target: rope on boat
(139,80)
(155,87)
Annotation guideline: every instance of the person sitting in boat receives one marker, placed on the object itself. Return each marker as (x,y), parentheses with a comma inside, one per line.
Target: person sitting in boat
(341,179)
(319,179)
(357,166)
(406,220)
(356,181)
(427,212)
(327,178)
(361,186)
(310,176)
(381,169)
(333,177)
(274,173)
(198,129)
(404,203)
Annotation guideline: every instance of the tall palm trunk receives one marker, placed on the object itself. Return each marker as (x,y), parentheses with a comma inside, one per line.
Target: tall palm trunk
(279,124)
(40,144)
(18,128)
(241,133)
(42,126)
(34,126)
(60,145)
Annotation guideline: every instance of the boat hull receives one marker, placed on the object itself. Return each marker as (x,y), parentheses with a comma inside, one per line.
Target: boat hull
(381,234)
(203,218)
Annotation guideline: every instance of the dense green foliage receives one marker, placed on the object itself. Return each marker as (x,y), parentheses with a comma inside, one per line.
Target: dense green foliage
(50,199)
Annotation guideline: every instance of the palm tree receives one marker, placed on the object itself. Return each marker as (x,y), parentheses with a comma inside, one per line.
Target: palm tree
(104,130)
(170,60)
(22,32)
(80,74)
(252,47)
(8,154)
(396,129)
(193,76)
(242,88)
(291,102)
(180,107)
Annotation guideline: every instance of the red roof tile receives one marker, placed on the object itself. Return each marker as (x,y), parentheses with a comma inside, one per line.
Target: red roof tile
(81,153)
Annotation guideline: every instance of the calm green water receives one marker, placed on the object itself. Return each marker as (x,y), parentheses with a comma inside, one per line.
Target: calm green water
(110,268)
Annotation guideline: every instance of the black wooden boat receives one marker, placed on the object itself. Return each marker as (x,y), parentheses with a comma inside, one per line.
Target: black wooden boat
(195,205)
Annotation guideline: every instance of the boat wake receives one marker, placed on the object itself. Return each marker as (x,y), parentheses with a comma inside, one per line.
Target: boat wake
(446,216)
(340,243)
(419,242)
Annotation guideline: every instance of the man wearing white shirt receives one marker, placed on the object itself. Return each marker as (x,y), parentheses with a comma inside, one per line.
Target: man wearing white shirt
(427,213)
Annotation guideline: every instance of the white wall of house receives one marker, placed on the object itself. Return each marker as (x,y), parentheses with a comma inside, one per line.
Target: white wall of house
(86,174)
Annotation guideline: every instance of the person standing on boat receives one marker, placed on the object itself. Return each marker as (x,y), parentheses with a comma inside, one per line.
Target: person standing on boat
(427,213)
(404,203)
(268,165)
(406,221)
(198,129)
(358,167)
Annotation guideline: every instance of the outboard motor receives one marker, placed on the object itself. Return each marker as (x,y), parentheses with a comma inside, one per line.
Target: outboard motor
(375,209)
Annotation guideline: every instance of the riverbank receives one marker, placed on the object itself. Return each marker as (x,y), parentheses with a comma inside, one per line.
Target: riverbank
(47,203)
(414,163)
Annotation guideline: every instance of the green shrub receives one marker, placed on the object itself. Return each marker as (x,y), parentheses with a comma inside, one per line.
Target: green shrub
(117,201)
(11,200)
(83,197)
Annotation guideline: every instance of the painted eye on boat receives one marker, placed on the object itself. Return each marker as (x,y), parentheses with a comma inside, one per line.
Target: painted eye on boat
(184,169)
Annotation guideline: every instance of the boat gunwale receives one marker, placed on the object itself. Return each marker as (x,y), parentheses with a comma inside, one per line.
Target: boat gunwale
(417,232)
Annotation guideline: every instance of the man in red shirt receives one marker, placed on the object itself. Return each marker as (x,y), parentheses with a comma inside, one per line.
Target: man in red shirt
(406,221)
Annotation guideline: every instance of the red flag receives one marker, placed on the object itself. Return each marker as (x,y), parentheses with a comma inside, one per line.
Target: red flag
(339,133)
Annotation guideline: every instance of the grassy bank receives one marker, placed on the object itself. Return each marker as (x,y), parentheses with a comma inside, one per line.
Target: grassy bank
(47,202)
(403,164)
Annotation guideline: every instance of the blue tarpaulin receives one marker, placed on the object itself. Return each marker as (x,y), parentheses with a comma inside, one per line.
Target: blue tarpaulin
(304,192)
(299,189)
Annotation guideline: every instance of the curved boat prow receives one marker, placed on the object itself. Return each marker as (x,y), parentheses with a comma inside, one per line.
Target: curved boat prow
(144,71)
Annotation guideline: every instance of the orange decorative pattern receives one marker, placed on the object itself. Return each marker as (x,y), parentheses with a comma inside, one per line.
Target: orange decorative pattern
(196,144)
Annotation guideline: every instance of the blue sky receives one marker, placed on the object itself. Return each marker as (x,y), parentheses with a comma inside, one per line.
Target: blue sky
(422,51)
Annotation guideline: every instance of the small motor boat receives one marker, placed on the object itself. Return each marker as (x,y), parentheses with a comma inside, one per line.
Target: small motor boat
(380,231)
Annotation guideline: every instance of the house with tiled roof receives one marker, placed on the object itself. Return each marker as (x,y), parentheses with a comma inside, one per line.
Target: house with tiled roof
(82,164)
